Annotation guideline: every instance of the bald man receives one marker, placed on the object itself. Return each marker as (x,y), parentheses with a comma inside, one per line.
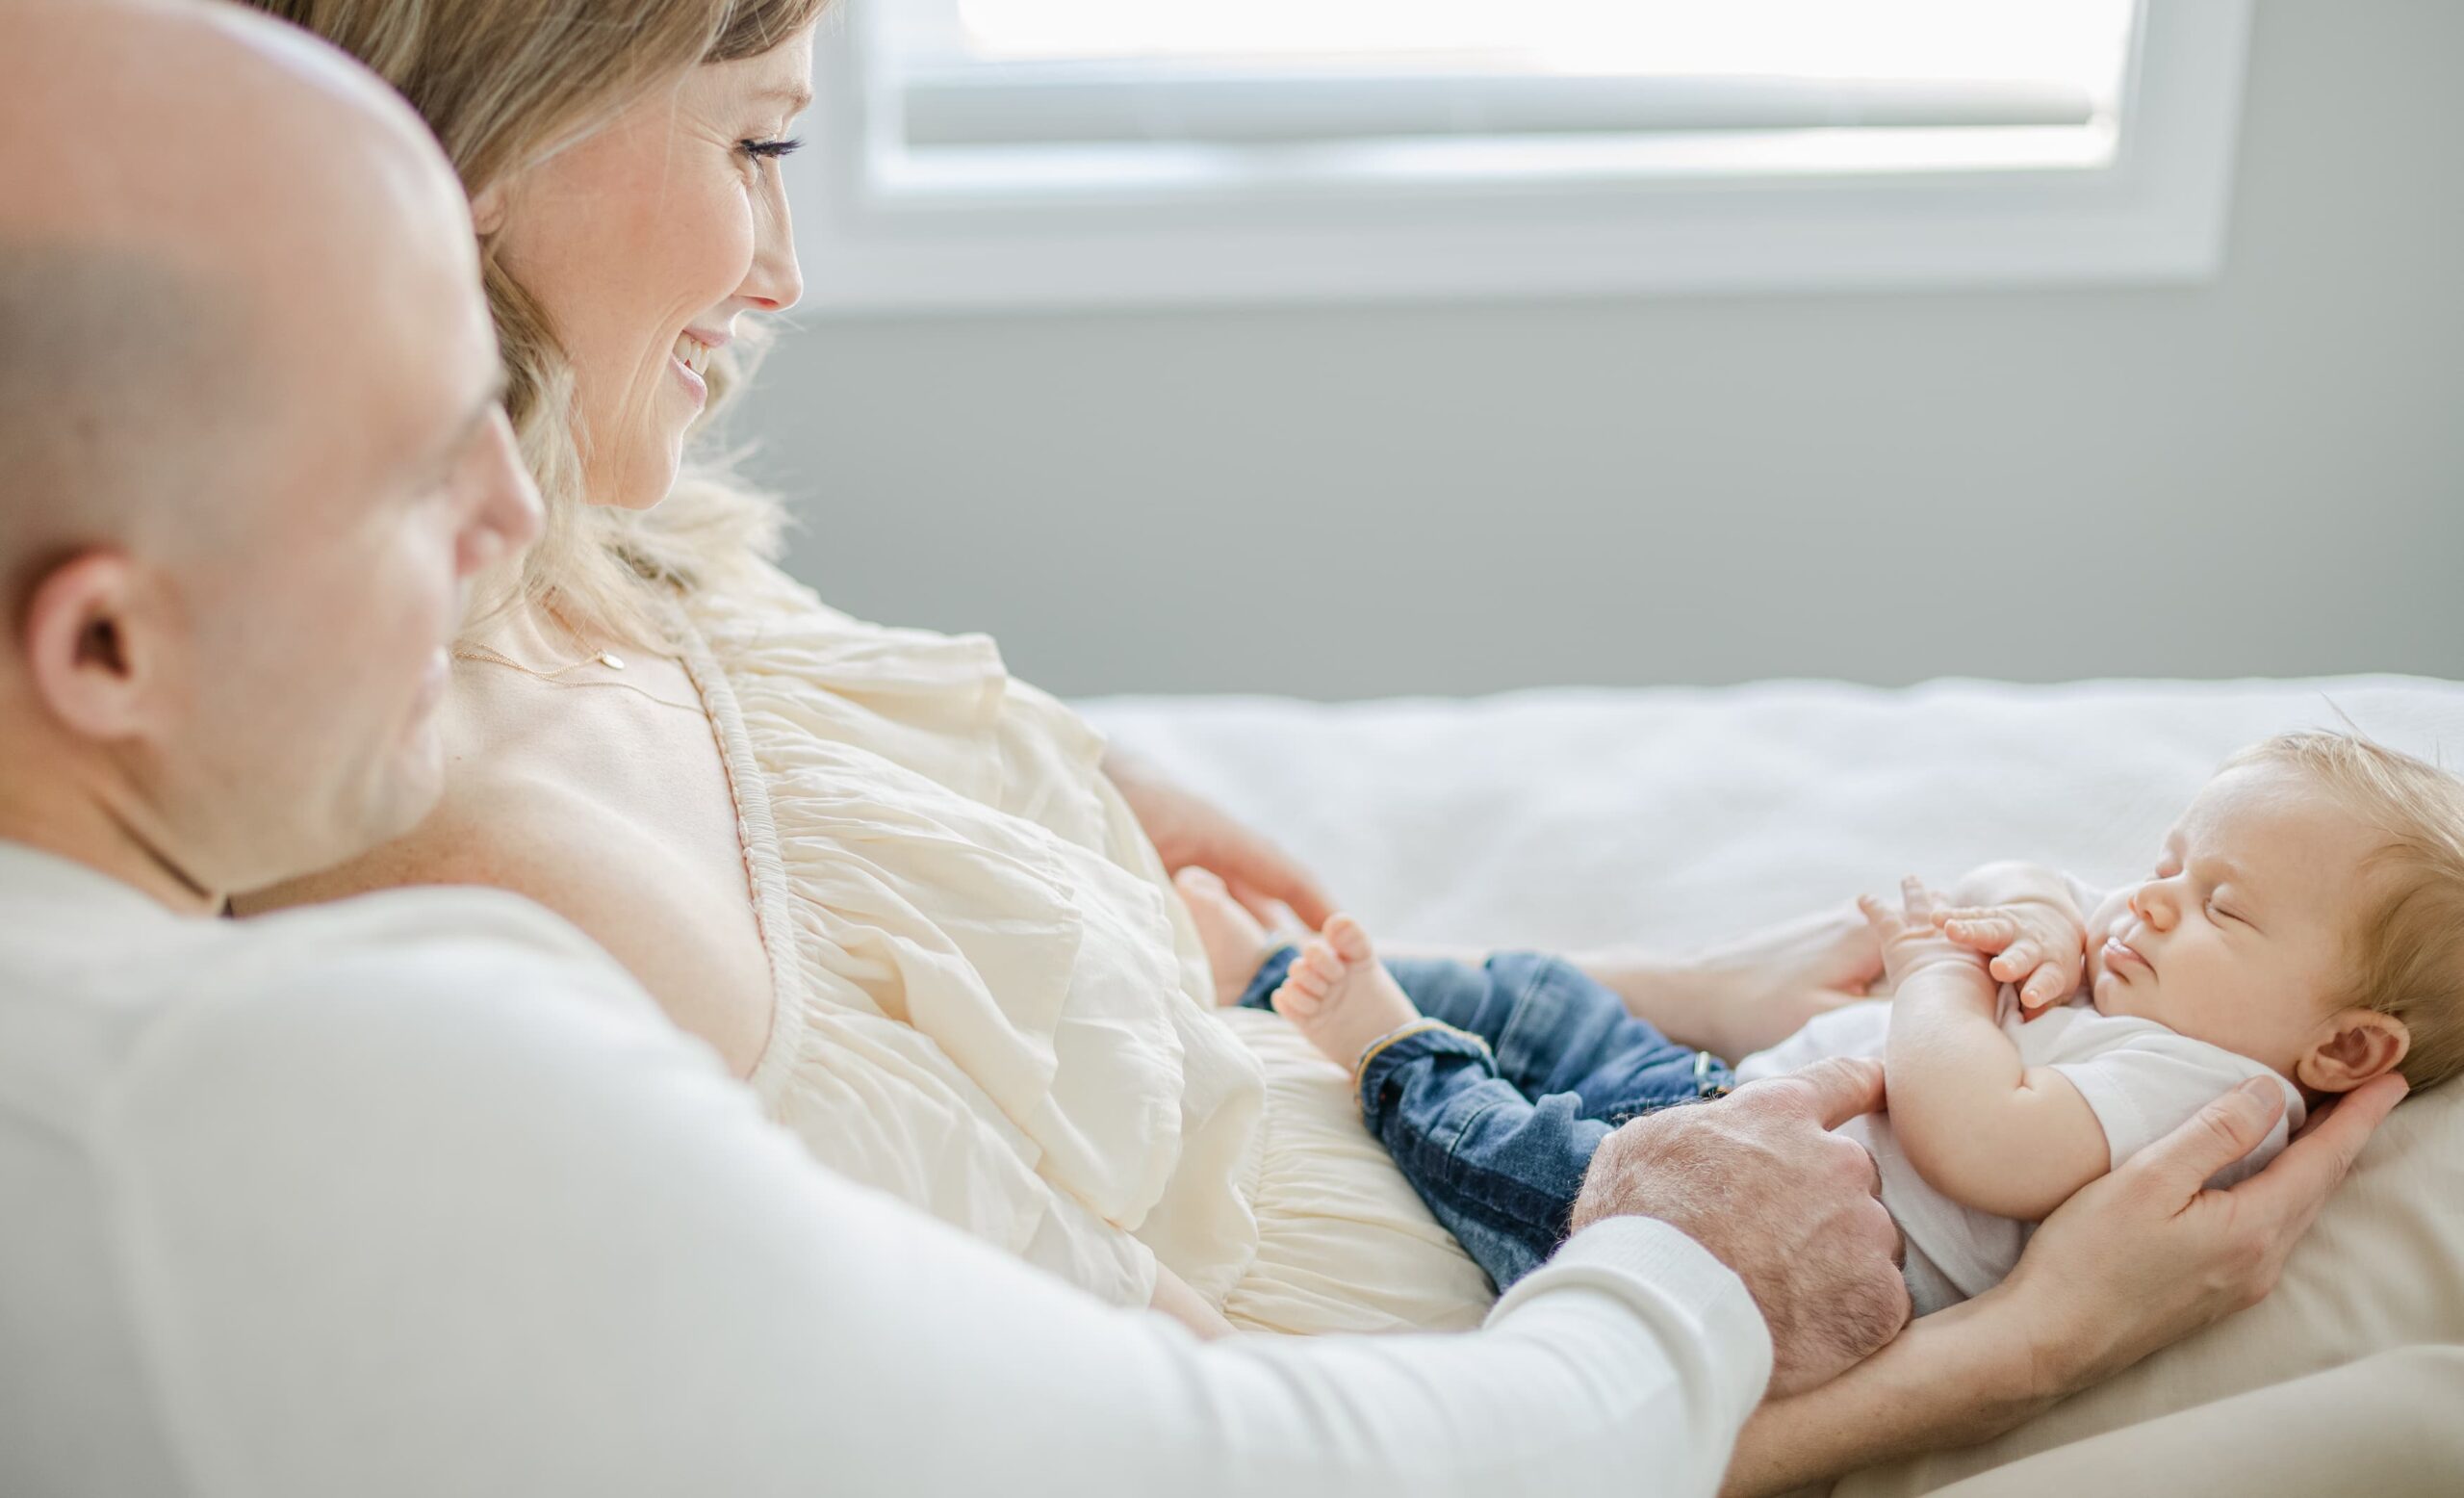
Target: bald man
(420,1195)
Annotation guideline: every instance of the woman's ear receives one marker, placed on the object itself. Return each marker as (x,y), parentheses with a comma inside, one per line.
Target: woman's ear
(2360,1044)
(488,209)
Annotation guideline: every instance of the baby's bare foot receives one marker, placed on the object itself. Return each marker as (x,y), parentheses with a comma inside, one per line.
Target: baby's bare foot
(1235,943)
(1340,995)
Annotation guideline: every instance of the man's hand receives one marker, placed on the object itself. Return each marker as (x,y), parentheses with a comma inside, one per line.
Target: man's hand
(2148,1255)
(1758,1180)
(1188,830)
(2039,945)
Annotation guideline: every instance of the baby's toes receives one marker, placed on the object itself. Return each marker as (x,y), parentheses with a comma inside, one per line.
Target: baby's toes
(1349,939)
(1297,1003)
(1320,961)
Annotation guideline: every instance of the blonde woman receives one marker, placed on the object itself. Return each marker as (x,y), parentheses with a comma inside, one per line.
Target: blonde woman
(897,891)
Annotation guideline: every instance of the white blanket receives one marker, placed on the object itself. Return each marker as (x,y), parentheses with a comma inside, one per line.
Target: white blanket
(1564,818)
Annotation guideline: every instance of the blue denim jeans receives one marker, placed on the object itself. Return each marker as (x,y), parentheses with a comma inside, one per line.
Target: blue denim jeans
(1495,1117)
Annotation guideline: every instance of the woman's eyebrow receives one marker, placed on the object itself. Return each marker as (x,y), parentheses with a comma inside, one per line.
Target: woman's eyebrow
(796,97)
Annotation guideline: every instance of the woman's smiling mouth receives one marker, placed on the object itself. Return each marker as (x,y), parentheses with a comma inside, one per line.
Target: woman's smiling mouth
(691,358)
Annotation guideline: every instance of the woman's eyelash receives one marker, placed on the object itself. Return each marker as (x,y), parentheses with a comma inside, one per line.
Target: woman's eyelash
(769,150)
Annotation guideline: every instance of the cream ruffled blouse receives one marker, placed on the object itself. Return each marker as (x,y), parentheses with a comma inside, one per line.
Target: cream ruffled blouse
(992,1004)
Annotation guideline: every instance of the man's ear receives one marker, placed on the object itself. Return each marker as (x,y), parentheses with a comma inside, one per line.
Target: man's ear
(2362,1044)
(92,641)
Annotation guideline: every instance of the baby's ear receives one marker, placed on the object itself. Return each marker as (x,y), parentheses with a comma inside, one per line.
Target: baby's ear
(2362,1044)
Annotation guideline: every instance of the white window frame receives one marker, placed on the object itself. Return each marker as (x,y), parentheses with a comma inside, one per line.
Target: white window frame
(1620,216)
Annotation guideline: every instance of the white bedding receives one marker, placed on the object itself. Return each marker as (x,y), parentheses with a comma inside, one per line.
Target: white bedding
(1564,818)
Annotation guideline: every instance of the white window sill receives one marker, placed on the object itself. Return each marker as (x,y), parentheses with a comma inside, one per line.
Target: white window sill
(1111,225)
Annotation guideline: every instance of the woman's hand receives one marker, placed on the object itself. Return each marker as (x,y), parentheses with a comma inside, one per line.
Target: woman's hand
(2135,1261)
(2147,1254)
(1189,830)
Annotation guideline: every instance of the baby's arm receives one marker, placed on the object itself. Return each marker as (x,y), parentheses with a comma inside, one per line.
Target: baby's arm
(1980,1127)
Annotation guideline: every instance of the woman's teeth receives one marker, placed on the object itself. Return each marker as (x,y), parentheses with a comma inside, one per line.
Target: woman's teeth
(693,353)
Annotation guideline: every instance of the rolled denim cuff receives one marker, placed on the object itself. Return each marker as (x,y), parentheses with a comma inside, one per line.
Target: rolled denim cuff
(1417,1041)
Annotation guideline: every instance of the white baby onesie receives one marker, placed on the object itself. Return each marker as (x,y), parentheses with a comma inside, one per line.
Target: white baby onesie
(2140,1079)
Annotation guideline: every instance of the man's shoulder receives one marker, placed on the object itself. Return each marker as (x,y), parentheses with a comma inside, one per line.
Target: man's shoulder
(408,925)
(443,956)
(286,995)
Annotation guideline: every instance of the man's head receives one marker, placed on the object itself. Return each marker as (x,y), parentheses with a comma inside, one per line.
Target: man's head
(249,430)
(2307,910)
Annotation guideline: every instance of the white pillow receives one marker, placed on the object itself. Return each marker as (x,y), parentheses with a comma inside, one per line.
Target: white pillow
(2383,1268)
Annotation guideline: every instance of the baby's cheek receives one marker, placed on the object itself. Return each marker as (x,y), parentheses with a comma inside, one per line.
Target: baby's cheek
(2101,919)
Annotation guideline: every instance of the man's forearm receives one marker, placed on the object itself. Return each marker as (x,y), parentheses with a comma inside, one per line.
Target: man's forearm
(842,1340)
(1952,1379)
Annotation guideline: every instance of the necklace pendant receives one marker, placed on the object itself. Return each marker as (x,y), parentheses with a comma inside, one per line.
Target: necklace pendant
(612,661)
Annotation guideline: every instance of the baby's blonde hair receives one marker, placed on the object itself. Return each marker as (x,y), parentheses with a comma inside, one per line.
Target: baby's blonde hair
(504,83)
(2407,950)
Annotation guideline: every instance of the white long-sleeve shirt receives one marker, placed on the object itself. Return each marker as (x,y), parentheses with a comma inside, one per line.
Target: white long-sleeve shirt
(420,1195)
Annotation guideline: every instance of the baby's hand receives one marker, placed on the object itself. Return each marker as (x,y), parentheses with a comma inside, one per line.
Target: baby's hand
(1913,939)
(2035,943)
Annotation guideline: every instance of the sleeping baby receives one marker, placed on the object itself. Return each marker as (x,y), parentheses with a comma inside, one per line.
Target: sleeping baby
(2304,921)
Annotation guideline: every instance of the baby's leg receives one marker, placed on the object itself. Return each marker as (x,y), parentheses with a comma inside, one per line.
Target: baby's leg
(1498,1169)
(1236,943)
(1553,1029)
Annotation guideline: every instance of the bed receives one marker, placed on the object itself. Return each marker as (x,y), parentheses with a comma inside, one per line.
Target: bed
(1561,818)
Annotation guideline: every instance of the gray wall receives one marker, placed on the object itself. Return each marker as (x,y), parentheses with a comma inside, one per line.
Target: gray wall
(2262,476)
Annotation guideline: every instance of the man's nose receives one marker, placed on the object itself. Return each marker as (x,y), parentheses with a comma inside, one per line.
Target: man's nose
(509,515)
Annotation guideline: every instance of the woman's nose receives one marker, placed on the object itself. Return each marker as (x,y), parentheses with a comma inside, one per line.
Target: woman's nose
(776,281)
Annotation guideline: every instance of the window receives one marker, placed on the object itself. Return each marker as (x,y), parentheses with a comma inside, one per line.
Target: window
(1089,152)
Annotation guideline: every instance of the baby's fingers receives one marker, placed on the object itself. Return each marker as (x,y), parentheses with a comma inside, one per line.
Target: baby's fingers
(2017,960)
(1980,930)
(2048,984)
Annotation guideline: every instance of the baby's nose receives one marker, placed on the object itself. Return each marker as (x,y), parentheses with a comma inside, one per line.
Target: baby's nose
(2151,904)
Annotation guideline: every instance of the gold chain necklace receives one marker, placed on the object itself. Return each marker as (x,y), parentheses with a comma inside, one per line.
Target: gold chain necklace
(605,657)
(555,678)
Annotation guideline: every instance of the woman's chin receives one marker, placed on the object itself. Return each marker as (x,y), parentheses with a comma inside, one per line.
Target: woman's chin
(638,485)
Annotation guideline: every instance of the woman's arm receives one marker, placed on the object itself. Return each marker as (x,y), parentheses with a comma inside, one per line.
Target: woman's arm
(1186,829)
(2135,1261)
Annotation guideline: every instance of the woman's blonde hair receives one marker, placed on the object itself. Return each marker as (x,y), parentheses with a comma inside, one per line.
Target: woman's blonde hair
(504,84)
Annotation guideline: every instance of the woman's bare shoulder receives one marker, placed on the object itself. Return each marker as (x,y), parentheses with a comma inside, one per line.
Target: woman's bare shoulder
(486,830)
